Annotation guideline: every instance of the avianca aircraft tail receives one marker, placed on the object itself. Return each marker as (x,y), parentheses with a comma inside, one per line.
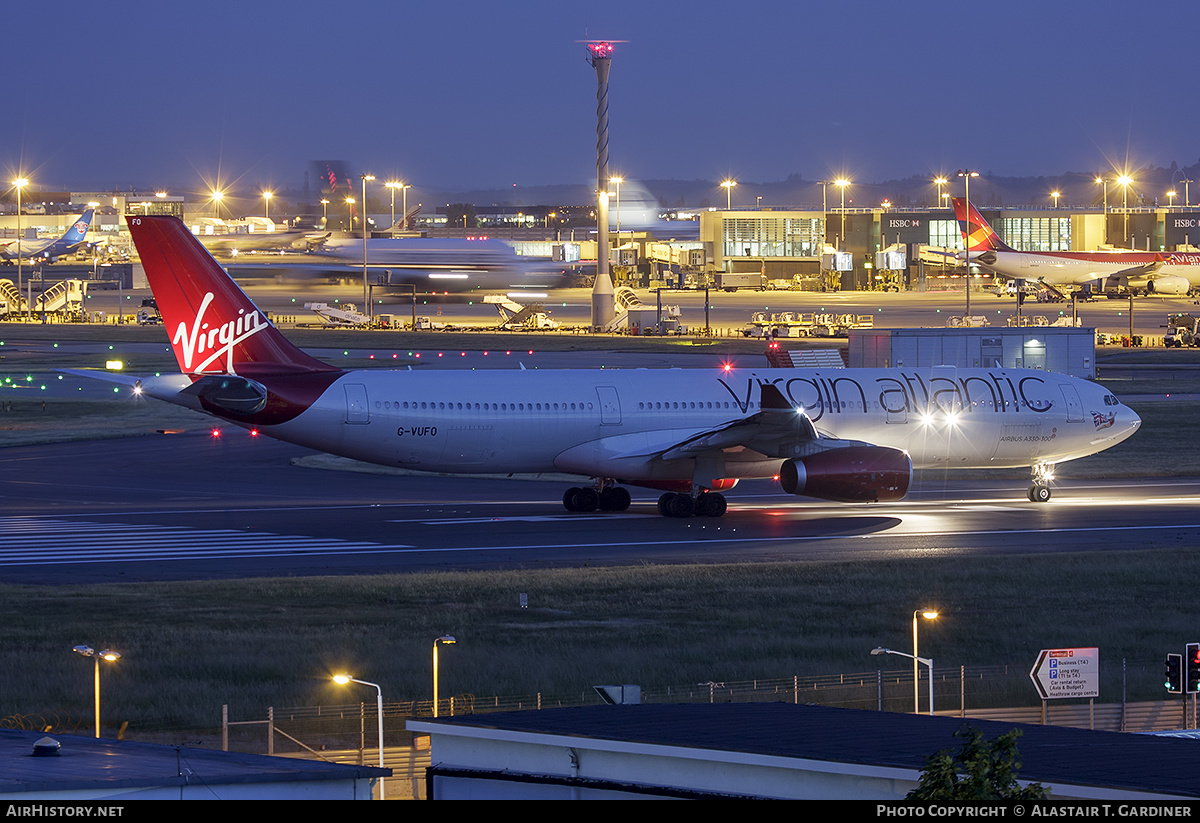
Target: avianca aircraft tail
(977,234)
(214,327)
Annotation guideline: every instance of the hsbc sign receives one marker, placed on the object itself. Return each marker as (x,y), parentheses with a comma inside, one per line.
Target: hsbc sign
(1180,230)
(903,223)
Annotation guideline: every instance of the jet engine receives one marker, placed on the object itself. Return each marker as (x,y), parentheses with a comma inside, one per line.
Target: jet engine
(1172,284)
(855,474)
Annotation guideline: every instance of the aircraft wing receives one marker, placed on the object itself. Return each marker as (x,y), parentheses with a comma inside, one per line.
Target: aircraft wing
(1133,272)
(774,431)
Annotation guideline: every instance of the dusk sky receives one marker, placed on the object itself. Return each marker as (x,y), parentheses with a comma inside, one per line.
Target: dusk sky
(472,94)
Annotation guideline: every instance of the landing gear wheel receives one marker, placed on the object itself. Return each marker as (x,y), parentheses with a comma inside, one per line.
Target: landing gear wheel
(1039,493)
(682,505)
(614,499)
(580,500)
(664,504)
(586,500)
(711,504)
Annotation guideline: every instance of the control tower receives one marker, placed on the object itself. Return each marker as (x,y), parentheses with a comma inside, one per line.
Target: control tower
(603,307)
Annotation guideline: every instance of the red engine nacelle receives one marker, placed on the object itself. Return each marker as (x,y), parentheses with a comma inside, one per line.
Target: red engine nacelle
(855,474)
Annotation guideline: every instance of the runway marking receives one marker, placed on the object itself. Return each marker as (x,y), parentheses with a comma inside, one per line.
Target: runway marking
(48,542)
(33,541)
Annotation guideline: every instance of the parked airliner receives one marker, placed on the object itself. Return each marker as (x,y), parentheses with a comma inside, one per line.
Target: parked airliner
(50,250)
(851,435)
(1170,273)
(428,264)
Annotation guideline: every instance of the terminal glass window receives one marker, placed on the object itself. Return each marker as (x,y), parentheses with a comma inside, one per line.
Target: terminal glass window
(773,236)
(945,234)
(1037,233)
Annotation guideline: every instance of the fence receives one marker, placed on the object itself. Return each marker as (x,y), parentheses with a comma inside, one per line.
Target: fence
(984,692)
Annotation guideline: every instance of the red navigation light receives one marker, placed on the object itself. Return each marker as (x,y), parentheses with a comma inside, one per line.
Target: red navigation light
(254,432)
(439,354)
(216,433)
(509,351)
(531,351)
(727,366)
(371,357)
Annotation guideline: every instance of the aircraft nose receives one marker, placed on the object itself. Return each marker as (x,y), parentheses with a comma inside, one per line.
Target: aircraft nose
(1129,419)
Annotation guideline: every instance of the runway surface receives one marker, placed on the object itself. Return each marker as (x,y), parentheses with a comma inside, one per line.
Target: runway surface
(187,506)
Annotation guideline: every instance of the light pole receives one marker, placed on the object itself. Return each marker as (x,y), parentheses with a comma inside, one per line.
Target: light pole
(1171,197)
(841,183)
(928,614)
(447,640)
(216,199)
(267,199)
(106,654)
(342,680)
(728,186)
(324,213)
(966,175)
(404,189)
(20,183)
(617,181)
(1055,195)
(1125,180)
(393,185)
(366,289)
(941,181)
(926,661)
(350,214)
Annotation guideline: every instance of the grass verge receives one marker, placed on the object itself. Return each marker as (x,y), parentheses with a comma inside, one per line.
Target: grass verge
(191,647)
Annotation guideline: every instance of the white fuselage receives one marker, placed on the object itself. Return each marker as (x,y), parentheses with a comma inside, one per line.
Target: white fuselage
(624,423)
(1078,268)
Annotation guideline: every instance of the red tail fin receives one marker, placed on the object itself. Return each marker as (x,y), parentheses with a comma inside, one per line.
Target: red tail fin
(978,234)
(214,327)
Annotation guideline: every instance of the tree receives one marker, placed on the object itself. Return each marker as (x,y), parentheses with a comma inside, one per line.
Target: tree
(982,770)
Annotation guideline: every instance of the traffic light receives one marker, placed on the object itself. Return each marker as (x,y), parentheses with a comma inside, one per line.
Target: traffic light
(1191,662)
(1174,673)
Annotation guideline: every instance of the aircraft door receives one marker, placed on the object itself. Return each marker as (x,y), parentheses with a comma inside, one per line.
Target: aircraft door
(356,403)
(610,405)
(1074,406)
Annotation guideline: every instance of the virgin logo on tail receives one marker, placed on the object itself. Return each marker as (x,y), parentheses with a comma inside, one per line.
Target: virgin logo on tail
(218,340)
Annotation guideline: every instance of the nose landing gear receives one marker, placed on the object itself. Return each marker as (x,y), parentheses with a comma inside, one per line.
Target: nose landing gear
(1039,491)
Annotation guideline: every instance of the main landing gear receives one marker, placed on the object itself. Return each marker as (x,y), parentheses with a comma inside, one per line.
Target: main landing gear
(1039,491)
(586,499)
(705,504)
(612,498)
